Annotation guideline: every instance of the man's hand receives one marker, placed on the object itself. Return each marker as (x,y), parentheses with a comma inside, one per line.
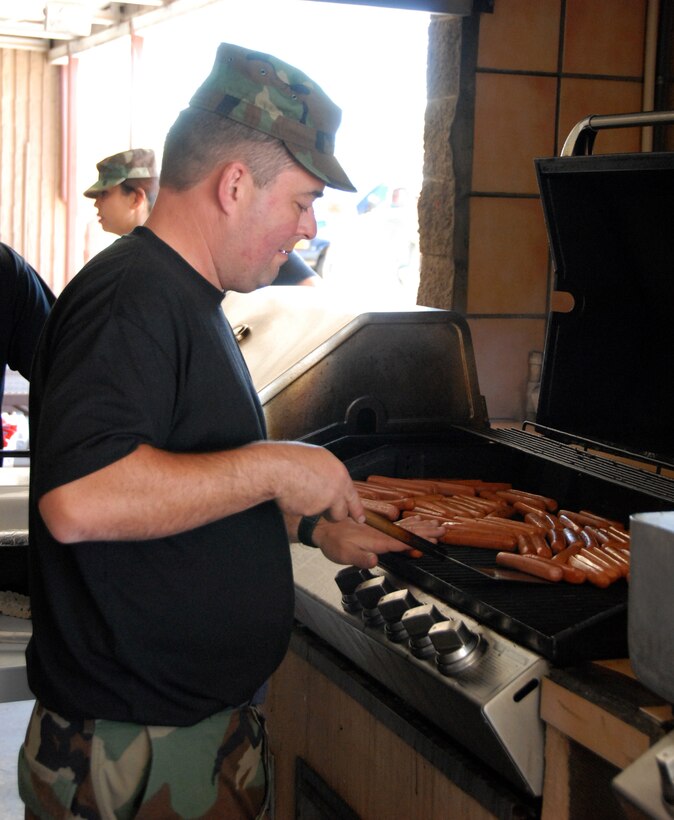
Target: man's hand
(310,480)
(349,542)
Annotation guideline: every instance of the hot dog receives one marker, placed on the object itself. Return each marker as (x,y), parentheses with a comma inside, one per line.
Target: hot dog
(588,538)
(388,510)
(593,575)
(622,568)
(572,537)
(568,523)
(601,521)
(536,519)
(572,575)
(619,534)
(556,540)
(601,564)
(473,537)
(513,498)
(534,499)
(523,507)
(563,556)
(530,564)
(618,554)
(525,545)
(584,517)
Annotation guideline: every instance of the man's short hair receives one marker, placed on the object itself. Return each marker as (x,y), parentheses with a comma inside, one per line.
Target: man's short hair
(199,141)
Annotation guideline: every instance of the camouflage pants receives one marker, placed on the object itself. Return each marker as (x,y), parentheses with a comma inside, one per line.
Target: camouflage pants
(105,770)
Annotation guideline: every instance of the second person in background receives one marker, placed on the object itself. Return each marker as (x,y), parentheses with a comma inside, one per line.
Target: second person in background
(125,190)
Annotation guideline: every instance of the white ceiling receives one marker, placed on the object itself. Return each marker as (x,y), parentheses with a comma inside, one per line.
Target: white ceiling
(40,23)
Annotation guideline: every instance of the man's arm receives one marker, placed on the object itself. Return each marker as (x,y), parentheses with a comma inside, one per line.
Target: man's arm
(152,493)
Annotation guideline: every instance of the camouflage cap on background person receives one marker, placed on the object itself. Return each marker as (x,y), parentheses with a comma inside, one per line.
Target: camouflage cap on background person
(136,163)
(271,96)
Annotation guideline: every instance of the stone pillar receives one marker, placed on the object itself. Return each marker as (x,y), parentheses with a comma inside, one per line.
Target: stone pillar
(438,193)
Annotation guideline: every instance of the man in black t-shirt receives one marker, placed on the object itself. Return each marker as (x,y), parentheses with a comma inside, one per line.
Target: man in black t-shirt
(160,516)
(25,301)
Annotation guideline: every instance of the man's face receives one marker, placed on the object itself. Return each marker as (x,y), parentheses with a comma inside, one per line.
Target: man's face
(274,219)
(116,211)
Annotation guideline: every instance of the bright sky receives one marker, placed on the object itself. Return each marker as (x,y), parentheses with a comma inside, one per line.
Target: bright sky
(370,61)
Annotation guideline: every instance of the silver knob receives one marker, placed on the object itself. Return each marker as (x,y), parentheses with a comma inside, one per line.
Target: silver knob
(454,644)
(368,594)
(393,606)
(417,622)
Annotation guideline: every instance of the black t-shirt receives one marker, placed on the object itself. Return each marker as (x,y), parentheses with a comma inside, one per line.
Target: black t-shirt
(25,301)
(166,631)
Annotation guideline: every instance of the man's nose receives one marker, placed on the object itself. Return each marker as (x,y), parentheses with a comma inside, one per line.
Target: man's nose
(307,225)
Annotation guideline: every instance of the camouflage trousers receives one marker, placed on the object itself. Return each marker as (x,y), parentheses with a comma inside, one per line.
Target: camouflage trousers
(106,770)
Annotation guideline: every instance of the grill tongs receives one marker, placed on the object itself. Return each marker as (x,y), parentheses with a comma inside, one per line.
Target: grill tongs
(416,542)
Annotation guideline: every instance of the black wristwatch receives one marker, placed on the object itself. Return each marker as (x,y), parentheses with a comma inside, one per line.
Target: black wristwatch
(305,530)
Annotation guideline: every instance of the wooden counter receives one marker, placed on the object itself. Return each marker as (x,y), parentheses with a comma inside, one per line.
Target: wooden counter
(599,719)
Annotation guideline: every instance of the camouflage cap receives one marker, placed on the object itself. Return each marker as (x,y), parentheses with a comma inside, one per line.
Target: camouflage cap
(136,163)
(271,96)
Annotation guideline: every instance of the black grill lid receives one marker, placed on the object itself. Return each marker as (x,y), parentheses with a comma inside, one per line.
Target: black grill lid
(608,363)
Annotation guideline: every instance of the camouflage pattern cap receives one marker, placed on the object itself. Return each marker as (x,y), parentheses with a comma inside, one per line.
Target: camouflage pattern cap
(271,96)
(136,163)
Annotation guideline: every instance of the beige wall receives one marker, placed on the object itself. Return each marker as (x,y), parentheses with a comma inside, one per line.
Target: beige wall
(539,66)
(32,212)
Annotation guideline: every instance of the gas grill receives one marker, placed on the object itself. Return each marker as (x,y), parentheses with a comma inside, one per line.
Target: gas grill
(397,393)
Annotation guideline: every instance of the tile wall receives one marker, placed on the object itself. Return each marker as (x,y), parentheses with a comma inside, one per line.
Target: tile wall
(542,65)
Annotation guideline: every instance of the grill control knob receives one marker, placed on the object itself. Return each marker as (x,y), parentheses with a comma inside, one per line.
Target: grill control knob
(393,606)
(454,644)
(347,580)
(369,594)
(417,621)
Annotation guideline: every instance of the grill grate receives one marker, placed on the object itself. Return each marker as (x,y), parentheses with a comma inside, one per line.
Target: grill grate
(643,481)
(564,623)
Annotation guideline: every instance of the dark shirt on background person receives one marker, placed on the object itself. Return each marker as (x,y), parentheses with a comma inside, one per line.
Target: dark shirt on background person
(295,271)
(25,302)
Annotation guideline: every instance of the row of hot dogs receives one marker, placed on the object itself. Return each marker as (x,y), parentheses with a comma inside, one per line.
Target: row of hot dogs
(527,531)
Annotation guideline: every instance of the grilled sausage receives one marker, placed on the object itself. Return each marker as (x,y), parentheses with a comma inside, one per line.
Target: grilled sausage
(601,564)
(572,575)
(531,565)
(556,540)
(533,499)
(388,510)
(462,536)
(593,575)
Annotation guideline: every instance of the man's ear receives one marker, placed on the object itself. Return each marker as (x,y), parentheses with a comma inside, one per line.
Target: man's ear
(231,183)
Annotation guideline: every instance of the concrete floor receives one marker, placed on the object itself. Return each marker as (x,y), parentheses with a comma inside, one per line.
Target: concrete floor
(13,721)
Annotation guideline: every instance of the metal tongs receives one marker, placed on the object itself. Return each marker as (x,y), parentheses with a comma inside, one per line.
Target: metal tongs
(416,542)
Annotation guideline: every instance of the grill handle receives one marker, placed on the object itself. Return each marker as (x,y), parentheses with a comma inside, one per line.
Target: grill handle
(581,137)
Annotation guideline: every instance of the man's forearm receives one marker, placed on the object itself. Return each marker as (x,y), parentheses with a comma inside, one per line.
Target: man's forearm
(152,493)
